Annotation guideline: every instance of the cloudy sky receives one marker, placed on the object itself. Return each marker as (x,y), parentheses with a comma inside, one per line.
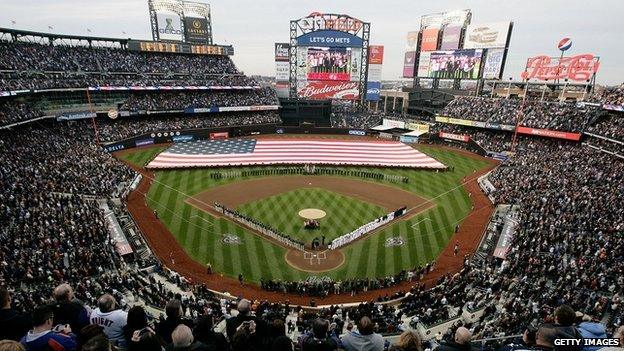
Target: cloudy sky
(252,26)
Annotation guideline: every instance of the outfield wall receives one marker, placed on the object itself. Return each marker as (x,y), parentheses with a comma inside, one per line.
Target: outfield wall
(183,135)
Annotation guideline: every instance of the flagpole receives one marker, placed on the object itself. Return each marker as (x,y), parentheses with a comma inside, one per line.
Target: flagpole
(95,130)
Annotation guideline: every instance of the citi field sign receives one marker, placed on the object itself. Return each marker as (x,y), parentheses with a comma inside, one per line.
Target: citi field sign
(318,21)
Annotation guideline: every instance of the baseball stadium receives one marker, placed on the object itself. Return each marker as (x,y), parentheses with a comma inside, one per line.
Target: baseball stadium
(175,182)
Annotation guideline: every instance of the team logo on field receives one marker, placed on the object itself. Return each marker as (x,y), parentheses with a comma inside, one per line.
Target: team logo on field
(396,241)
(231,239)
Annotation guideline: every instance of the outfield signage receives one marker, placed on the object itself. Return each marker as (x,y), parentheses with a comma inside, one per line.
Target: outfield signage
(219,135)
(144,142)
(408,139)
(357,132)
(419,127)
(393,123)
(478,124)
(549,133)
(456,137)
(579,68)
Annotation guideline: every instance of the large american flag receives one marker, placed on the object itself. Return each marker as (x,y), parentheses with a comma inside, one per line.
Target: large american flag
(244,152)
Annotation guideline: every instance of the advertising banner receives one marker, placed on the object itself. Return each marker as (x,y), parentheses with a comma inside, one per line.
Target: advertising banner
(408,64)
(493,63)
(375,54)
(450,38)
(329,38)
(577,68)
(169,27)
(372,91)
(486,35)
(408,139)
(374,73)
(282,71)
(393,123)
(328,90)
(464,64)
(219,135)
(456,137)
(451,18)
(196,30)
(357,132)
(423,64)
(144,142)
(282,89)
(420,127)
(70,116)
(182,138)
(549,133)
(281,52)
(505,239)
(429,39)
(412,41)
(302,63)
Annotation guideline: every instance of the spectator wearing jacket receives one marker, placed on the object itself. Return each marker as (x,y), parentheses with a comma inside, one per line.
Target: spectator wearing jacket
(13,325)
(365,339)
(43,338)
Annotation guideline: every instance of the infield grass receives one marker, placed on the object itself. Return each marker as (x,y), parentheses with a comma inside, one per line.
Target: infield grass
(425,235)
(344,213)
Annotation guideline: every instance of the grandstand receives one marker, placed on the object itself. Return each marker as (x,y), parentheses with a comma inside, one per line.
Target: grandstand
(493,223)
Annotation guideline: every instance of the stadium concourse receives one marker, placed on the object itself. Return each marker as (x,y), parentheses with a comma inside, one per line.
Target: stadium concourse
(563,276)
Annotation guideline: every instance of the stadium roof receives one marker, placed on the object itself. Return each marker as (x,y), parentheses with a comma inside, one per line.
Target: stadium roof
(16,33)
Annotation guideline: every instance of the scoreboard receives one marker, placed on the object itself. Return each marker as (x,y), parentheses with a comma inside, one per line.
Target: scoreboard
(180,48)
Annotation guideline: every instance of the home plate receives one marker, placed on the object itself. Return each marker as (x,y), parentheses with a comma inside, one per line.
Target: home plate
(312,256)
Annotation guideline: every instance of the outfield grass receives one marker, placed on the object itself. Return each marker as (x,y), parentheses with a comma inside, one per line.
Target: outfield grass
(344,213)
(425,234)
(142,157)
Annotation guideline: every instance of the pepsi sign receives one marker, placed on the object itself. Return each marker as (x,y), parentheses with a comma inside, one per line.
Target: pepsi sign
(564,44)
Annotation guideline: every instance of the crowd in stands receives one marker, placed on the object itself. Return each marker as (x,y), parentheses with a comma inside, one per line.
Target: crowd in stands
(610,126)
(183,100)
(126,127)
(36,66)
(490,140)
(534,113)
(608,95)
(15,81)
(353,116)
(12,111)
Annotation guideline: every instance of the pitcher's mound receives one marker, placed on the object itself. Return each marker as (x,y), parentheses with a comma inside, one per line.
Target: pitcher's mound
(312,213)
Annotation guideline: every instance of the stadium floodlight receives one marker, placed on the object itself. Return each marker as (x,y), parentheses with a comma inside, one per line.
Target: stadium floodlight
(196,8)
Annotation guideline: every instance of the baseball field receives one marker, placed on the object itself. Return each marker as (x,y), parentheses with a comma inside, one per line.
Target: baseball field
(437,203)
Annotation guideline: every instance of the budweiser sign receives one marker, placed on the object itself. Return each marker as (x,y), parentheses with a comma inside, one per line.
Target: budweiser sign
(576,68)
(329,90)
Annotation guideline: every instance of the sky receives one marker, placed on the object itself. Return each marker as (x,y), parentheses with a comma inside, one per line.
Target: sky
(252,26)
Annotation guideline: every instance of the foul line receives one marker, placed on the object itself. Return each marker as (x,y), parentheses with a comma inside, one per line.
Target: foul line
(422,220)
(203,219)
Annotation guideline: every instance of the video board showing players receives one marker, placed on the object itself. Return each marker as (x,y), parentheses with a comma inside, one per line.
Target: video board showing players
(329,63)
(462,64)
